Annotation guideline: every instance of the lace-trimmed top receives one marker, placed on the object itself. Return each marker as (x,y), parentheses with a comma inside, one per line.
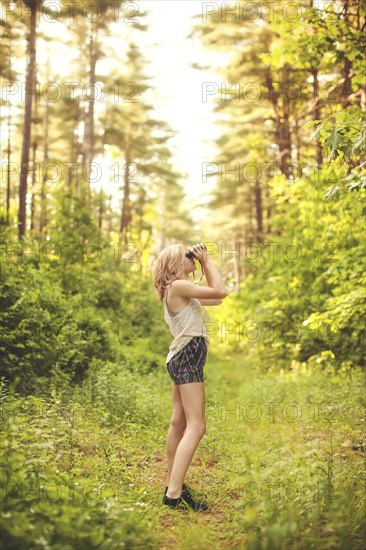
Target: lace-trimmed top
(184,325)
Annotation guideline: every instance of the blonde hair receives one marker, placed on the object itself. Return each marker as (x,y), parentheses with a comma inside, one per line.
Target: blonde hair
(169,266)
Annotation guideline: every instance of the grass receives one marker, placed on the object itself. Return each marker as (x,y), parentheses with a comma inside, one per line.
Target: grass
(282,463)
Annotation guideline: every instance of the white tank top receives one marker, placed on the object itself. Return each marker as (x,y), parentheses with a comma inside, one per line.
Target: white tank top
(184,325)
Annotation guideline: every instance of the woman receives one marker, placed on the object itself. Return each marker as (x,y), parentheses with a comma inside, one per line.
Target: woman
(186,358)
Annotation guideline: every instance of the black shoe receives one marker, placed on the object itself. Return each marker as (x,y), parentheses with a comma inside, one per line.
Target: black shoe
(185,501)
(184,488)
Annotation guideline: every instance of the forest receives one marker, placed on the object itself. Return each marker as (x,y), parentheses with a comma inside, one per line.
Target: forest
(91,192)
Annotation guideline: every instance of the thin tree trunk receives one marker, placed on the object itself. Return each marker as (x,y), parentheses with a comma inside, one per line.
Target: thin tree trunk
(88,153)
(8,149)
(8,184)
(33,187)
(282,131)
(268,203)
(298,147)
(100,210)
(140,212)
(43,214)
(317,115)
(110,214)
(242,271)
(29,87)
(126,209)
(258,210)
(346,90)
(34,172)
(237,275)
(284,140)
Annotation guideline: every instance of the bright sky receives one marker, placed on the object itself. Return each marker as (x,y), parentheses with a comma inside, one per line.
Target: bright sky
(178,96)
(178,86)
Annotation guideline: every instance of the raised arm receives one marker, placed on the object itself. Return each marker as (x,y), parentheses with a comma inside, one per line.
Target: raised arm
(216,287)
(213,277)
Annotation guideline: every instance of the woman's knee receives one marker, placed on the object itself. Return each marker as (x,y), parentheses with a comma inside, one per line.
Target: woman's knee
(197,428)
(178,423)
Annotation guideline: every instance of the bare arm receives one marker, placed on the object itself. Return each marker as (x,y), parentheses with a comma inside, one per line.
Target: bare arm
(182,287)
(213,277)
(214,291)
(210,302)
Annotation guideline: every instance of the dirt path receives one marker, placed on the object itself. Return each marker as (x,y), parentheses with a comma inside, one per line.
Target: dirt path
(155,477)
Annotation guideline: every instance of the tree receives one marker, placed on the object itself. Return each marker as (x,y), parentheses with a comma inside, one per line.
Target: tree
(32,5)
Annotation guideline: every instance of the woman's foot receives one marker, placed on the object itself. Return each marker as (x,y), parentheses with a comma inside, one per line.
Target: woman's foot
(184,488)
(184,501)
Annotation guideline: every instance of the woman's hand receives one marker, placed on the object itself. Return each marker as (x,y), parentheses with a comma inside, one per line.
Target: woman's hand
(200,252)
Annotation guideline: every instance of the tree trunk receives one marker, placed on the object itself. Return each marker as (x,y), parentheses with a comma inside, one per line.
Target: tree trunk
(317,115)
(43,215)
(126,207)
(100,210)
(33,187)
(110,214)
(140,203)
(269,210)
(88,149)
(8,184)
(282,131)
(346,90)
(29,87)
(298,148)
(237,275)
(43,207)
(259,210)
(284,140)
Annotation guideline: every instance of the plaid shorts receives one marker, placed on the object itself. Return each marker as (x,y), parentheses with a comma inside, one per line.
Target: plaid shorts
(187,365)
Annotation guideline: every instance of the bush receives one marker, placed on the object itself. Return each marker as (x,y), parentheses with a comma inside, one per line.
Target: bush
(48,505)
(44,331)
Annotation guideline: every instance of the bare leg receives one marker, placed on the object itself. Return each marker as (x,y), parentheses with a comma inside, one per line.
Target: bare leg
(177,426)
(193,399)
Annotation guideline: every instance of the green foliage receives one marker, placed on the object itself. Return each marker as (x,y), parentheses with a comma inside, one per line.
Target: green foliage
(143,358)
(47,502)
(281,464)
(84,342)
(304,295)
(45,331)
(126,393)
(59,315)
(73,222)
(305,292)
(343,134)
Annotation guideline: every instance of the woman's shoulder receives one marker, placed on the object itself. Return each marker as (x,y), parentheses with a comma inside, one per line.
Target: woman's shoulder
(171,286)
(175,284)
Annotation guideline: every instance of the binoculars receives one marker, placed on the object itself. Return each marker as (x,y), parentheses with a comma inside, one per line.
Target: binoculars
(190,254)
